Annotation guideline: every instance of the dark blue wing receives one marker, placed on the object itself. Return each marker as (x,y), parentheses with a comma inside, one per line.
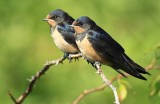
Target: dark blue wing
(68,33)
(105,45)
(113,52)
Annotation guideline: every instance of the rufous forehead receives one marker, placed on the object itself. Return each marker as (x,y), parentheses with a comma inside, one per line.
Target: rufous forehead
(48,16)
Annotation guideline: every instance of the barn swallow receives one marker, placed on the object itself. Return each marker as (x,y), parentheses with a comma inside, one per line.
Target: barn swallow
(98,46)
(61,31)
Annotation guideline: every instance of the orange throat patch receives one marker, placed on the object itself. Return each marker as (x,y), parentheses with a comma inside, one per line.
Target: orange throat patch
(51,22)
(78,29)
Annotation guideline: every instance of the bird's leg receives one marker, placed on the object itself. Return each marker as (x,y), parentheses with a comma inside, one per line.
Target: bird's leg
(99,71)
(74,56)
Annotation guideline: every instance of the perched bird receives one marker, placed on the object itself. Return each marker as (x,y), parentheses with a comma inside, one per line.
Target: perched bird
(61,31)
(98,46)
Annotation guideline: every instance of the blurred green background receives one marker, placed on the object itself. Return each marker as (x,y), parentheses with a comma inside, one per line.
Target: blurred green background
(26,44)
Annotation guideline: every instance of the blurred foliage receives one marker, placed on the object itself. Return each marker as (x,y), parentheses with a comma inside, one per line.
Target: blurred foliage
(155,87)
(26,43)
(157,53)
(155,83)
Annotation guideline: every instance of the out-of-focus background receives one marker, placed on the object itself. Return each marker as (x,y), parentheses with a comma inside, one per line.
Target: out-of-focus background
(26,44)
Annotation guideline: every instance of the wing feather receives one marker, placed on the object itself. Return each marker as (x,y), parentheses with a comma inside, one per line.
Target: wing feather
(68,33)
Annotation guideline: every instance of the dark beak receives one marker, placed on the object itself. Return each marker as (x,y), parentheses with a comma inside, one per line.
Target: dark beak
(45,19)
(74,23)
(71,25)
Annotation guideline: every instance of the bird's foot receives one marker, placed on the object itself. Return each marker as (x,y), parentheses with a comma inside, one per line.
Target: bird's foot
(97,63)
(70,58)
(74,56)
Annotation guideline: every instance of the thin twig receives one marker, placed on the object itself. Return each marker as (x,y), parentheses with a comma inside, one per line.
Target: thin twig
(11,96)
(86,92)
(75,55)
(34,78)
(107,83)
(103,86)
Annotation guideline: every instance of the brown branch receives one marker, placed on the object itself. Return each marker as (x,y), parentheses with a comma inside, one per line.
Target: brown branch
(34,78)
(103,86)
(86,92)
(11,96)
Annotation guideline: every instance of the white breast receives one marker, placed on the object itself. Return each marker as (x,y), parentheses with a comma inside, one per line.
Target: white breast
(61,43)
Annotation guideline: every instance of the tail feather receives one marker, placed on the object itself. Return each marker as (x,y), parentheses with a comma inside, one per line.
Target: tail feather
(136,66)
(130,67)
(140,69)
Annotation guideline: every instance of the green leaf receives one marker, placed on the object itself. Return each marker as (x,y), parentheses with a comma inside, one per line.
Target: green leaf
(122,92)
(126,83)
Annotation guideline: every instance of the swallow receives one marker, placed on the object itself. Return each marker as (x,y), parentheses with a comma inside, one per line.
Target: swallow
(97,45)
(61,31)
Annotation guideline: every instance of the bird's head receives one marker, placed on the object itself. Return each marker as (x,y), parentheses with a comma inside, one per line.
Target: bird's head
(58,16)
(83,24)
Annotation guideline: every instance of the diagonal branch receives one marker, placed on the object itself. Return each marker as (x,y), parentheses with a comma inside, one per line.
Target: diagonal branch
(34,78)
(107,82)
(103,86)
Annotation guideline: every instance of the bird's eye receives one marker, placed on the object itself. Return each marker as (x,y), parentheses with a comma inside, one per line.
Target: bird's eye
(80,23)
(55,16)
